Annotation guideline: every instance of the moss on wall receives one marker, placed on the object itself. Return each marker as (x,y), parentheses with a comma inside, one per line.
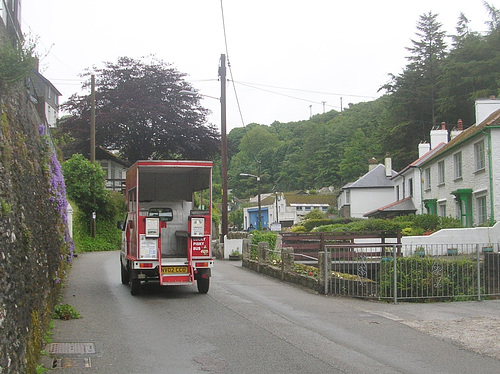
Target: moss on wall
(35,249)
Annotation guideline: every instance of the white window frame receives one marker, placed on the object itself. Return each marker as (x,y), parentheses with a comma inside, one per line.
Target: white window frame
(457,165)
(482,210)
(441,172)
(479,156)
(442,208)
(427,178)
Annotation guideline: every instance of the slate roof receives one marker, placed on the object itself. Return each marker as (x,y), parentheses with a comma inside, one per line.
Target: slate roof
(492,120)
(422,159)
(375,178)
(405,205)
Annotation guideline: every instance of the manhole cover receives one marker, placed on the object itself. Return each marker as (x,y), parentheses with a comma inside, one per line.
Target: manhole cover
(70,348)
(71,362)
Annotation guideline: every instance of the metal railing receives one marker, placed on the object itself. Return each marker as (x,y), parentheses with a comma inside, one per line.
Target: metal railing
(411,272)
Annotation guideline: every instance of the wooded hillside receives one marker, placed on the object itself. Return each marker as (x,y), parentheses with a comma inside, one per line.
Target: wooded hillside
(444,75)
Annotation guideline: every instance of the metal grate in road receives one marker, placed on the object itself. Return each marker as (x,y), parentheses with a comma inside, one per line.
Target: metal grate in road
(70,348)
(71,363)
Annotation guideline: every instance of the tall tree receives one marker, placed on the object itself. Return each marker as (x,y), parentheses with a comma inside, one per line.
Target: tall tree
(141,112)
(414,93)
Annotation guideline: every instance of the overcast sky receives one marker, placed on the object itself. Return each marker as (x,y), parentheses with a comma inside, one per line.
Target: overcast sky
(289,58)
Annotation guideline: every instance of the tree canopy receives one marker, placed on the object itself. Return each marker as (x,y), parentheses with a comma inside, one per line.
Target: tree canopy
(141,112)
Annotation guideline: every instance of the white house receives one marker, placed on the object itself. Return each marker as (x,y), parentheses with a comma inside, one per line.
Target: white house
(372,190)
(462,179)
(457,174)
(407,183)
(286,208)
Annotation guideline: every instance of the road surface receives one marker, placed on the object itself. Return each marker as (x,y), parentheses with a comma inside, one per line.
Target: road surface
(247,323)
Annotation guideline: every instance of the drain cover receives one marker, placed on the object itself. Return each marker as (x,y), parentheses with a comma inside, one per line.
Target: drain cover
(71,363)
(70,348)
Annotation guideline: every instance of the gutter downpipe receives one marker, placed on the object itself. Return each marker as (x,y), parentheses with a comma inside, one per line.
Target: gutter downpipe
(490,171)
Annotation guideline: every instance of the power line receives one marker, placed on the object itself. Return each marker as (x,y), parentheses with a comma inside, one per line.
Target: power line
(286,95)
(229,64)
(302,90)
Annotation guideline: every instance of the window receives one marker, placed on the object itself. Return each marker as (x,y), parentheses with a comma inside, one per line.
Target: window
(397,193)
(482,216)
(457,165)
(410,187)
(479,156)
(442,209)
(348,197)
(441,172)
(427,178)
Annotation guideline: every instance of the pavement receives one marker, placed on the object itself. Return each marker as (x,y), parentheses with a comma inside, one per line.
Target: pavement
(473,325)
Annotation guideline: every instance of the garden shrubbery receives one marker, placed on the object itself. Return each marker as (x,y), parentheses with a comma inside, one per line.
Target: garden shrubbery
(408,225)
(429,277)
(85,184)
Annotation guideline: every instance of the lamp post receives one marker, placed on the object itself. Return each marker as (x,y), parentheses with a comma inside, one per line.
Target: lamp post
(259,223)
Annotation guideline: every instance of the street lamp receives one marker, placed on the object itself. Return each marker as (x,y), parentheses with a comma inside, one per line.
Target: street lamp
(259,223)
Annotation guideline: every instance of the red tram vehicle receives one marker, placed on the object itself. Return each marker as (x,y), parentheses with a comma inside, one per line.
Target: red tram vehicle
(167,232)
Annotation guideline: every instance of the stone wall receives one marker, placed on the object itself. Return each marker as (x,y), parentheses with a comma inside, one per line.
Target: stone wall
(284,271)
(34,246)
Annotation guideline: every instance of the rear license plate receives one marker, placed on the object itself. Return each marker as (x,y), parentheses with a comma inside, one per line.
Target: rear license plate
(174,270)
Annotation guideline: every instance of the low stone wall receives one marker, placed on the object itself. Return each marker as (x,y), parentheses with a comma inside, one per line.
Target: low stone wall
(284,272)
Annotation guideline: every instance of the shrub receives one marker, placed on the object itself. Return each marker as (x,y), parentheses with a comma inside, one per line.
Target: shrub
(429,277)
(85,185)
(16,63)
(264,236)
(298,228)
(313,223)
(107,238)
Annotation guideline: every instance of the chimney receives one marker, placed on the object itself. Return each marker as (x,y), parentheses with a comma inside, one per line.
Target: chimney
(439,135)
(372,163)
(457,129)
(388,165)
(423,148)
(484,107)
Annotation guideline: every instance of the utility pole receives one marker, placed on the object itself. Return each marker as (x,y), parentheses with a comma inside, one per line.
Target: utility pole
(222,75)
(92,118)
(259,221)
(310,111)
(92,139)
(341,104)
(324,102)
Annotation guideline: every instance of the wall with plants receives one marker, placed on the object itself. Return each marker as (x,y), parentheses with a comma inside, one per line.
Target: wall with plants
(35,248)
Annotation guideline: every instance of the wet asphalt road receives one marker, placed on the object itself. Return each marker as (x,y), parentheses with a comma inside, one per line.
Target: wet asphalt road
(247,323)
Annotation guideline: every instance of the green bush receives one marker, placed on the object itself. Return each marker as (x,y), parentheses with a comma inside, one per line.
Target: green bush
(16,63)
(85,185)
(264,236)
(428,277)
(298,228)
(107,238)
(313,223)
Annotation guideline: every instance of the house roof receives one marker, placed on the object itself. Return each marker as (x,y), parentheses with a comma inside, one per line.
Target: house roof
(375,178)
(421,160)
(491,121)
(103,154)
(46,81)
(402,206)
(296,198)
